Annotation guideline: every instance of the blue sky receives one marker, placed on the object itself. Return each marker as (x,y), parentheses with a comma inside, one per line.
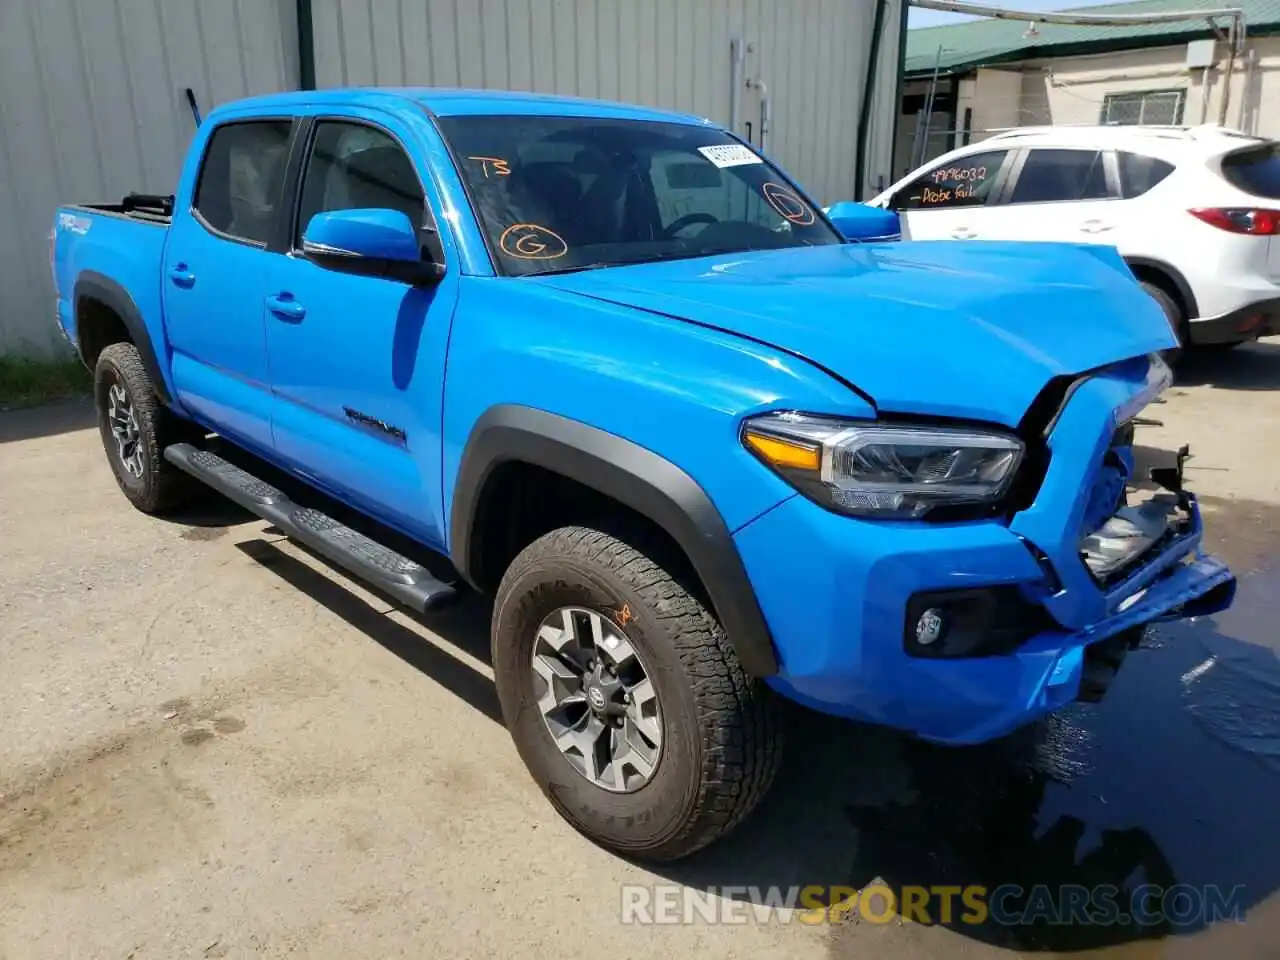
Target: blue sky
(931,18)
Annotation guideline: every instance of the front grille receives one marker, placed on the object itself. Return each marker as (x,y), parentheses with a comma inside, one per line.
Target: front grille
(1111,481)
(1034,429)
(1114,490)
(1123,437)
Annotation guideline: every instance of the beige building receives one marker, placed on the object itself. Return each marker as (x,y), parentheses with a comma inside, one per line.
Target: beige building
(985,76)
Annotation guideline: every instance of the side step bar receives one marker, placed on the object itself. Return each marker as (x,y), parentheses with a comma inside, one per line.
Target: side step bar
(380,566)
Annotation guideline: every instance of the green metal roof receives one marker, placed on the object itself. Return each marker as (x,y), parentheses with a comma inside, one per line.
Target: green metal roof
(978,43)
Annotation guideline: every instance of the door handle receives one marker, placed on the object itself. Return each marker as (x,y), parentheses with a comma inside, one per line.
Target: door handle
(182,276)
(284,306)
(1095,226)
(962,233)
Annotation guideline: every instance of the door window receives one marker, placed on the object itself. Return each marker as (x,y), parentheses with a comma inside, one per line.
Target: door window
(242,178)
(354,167)
(1052,175)
(962,182)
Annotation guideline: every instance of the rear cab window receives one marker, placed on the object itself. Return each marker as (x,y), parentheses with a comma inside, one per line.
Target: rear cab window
(960,182)
(240,190)
(1255,170)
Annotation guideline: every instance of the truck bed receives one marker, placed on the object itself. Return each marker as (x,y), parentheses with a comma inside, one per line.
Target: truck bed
(144,207)
(113,253)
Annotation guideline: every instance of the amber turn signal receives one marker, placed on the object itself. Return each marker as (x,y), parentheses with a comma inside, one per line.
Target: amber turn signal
(783,453)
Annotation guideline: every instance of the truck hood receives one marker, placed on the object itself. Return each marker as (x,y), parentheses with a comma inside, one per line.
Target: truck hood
(972,330)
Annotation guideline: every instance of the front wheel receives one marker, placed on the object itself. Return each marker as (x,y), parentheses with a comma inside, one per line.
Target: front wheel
(624,698)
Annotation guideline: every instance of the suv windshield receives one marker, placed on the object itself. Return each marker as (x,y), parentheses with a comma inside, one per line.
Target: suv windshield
(1255,170)
(570,193)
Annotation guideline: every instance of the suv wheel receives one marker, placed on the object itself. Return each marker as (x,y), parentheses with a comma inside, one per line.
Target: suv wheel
(1173,313)
(135,428)
(624,698)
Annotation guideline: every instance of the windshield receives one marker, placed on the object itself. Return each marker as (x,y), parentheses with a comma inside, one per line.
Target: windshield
(570,193)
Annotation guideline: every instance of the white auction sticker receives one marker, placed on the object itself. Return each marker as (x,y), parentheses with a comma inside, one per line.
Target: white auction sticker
(729,155)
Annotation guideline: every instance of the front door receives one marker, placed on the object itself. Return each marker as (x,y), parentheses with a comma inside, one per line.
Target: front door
(948,201)
(357,363)
(216,267)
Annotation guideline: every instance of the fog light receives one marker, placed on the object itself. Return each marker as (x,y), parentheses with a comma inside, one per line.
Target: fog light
(982,622)
(930,627)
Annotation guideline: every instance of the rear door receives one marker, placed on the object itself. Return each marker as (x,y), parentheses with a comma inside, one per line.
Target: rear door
(215,265)
(357,362)
(1057,195)
(948,201)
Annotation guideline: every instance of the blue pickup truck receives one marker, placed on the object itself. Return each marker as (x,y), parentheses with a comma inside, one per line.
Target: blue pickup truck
(706,449)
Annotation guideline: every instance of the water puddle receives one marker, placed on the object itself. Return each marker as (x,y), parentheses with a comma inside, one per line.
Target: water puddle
(1166,784)
(1234,692)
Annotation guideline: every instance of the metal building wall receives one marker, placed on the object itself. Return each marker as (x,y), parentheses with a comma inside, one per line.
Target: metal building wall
(812,56)
(92,107)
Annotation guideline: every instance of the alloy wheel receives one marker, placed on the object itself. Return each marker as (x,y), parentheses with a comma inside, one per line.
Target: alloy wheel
(123,422)
(596,699)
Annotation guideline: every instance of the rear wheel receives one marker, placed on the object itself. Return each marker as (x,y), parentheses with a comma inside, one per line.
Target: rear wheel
(135,428)
(1173,313)
(624,698)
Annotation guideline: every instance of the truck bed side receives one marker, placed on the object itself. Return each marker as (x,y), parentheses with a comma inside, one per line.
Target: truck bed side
(107,261)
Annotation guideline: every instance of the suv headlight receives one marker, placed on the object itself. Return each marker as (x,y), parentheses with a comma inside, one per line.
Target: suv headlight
(884,470)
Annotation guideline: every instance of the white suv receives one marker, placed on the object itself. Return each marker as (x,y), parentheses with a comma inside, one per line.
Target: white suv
(1194,211)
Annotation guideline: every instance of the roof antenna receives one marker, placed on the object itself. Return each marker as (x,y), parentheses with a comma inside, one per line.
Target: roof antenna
(191,102)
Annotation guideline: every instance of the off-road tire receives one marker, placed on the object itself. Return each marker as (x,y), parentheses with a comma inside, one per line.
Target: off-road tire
(722,729)
(161,486)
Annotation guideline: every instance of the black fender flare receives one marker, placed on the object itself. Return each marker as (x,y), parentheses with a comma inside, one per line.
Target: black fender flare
(1175,277)
(649,484)
(91,285)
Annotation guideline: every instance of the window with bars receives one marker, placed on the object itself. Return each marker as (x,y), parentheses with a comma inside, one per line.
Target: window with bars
(1163,107)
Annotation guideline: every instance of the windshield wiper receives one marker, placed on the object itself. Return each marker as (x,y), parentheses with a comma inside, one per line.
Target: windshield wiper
(599,264)
(576,269)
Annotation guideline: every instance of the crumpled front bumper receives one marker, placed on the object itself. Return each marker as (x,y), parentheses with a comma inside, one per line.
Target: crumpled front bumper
(1174,583)
(835,591)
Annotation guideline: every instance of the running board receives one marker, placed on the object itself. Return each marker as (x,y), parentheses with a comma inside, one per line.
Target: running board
(380,566)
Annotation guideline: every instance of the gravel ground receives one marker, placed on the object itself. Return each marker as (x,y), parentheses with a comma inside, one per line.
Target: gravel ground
(216,746)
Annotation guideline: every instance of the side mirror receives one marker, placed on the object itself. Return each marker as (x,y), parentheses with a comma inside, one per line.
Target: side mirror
(371,243)
(863,223)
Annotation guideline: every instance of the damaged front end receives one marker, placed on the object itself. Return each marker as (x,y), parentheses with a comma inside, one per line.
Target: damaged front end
(1128,553)
(1166,521)
(1155,520)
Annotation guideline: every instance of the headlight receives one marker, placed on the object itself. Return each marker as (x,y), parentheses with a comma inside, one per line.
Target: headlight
(884,470)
